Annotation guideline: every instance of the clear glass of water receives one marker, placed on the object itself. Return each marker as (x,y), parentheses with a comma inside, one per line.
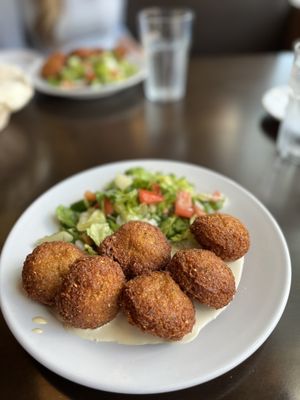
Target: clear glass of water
(166,39)
(288,143)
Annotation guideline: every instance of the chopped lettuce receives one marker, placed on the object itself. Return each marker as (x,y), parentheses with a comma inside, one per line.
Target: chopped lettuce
(90,225)
(95,69)
(90,250)
(58,236)
(66,216)
(98,232)
(89,218)
(123,181)
(175,228)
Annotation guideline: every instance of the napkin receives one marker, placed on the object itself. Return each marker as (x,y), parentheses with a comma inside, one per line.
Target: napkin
(15,91)
(275,101)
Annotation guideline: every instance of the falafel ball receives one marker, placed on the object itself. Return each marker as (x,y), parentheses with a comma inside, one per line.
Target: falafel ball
(138,247)
(53,64)
(156,304)
(45,268)
(223,234)
(85,52)
(90,292)
(204,276)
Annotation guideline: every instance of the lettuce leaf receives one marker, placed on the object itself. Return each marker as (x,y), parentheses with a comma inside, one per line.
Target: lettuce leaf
(66,216)
(88,218)
(58,236)
(98,232)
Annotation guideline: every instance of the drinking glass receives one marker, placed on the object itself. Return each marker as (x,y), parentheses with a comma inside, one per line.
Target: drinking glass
(166,38)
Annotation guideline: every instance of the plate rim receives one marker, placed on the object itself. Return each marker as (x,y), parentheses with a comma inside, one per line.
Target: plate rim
(175,386)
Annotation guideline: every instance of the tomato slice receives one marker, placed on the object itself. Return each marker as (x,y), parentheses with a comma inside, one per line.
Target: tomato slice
(216,195)
(90,76)
(184,205)
(156,188)
(108,207)
(148,197)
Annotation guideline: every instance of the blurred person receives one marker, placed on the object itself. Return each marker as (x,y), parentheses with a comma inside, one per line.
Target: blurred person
(46,25)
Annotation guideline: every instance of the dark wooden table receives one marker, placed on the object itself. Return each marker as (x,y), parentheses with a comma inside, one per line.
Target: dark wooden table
(220,125)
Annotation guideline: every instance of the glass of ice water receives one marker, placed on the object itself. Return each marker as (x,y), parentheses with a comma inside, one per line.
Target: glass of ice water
(288,142)
(166,38)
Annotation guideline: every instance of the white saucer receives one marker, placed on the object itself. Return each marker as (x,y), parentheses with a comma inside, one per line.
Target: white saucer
(275,101)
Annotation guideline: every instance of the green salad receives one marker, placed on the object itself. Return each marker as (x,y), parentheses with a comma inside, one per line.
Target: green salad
(166,201)
(95,69)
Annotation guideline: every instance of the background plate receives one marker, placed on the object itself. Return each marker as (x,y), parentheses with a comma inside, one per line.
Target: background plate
(86,92)
(23,58)
(220,346)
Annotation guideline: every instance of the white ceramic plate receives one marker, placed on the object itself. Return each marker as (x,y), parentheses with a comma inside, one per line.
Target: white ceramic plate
(220,346)
(275,101)
(86,92)
(23,58)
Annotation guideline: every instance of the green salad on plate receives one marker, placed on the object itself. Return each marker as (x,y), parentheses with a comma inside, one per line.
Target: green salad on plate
(164,200)
(87,67)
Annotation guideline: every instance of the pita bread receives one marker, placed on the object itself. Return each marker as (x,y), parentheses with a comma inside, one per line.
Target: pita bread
(14,94)
(15,87)
(4,116)
(12,72)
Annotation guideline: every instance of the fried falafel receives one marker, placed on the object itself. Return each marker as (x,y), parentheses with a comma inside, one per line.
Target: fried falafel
(45,268)
(85,52)
(156,304)
(223,234)
(138,247)
(203,276)
(90,292)
(53,65)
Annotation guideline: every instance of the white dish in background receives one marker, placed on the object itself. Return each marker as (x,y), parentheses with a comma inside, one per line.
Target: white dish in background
(275,101)
(22,58)
(220,346)
(86,92)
